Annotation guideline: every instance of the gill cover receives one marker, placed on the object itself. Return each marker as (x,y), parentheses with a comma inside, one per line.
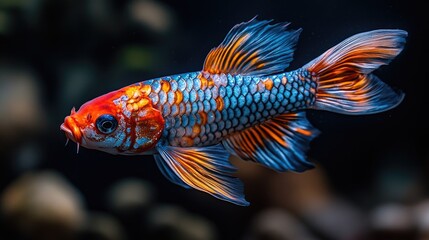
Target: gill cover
(144,123)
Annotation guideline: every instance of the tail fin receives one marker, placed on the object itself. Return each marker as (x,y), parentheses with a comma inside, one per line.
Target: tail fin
(345,82)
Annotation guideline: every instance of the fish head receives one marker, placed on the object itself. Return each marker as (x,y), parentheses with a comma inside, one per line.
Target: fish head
(120,122)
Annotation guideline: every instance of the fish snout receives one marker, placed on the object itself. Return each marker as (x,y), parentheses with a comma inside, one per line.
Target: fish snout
(71,129)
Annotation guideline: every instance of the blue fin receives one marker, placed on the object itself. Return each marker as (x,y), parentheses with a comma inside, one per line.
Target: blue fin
(204,168)
(344,73)
(253,48)
(279,143)
(166,171)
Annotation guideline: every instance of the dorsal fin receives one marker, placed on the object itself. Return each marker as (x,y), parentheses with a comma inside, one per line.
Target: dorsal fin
(253,48)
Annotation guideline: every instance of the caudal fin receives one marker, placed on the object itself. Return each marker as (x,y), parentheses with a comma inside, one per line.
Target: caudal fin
(345,82)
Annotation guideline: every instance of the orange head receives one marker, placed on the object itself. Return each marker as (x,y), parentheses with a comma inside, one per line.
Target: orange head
(120,122)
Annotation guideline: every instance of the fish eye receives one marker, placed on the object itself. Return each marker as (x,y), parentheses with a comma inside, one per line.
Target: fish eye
(106,123)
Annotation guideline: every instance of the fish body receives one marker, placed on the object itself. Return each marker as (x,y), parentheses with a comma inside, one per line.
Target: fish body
(241,103)
(200,109)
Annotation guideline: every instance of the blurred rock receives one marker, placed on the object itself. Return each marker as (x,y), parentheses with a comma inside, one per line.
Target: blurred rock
(130,194)
(292,191)
(21,110)
(307,190)
(392,216)
(102,226)
(337,219)
(421,215)
(43,205)
(277,224)
(174,223)
(392,221)
(151,14)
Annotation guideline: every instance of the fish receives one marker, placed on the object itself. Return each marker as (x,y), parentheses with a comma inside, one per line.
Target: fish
(243,102)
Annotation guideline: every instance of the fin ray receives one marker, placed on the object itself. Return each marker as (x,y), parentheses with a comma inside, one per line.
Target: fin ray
(164,167)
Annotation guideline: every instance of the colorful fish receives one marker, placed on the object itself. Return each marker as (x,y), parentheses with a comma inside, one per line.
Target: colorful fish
(241,103)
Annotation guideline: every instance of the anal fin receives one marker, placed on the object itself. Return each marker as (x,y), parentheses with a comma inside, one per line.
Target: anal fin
(279,143)
(204,168)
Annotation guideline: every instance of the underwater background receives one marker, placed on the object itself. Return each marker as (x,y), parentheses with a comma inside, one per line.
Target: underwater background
(371,180)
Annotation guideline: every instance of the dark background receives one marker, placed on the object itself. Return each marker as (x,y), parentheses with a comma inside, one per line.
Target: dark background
(371,176)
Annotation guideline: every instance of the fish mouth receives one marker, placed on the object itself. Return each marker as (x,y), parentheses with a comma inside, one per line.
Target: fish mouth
(72,131)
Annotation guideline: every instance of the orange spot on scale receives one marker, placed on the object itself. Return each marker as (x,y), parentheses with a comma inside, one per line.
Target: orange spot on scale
(143,102)
(219,103)
(165,86)
(268,84)
(186,142)
(136,94)
(204,82)
(135,106)
(146,89)
(210,83)
(203,116)
(178,96)
(130,107)
(196,129)
(130,91)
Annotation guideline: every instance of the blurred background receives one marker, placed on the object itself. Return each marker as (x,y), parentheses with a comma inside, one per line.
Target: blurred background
(371,179)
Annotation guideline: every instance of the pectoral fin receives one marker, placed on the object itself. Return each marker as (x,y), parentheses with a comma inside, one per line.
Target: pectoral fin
(204,168)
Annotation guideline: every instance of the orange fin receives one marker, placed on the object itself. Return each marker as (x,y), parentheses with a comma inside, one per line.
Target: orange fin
(253,48)
(204,168)
(279,143)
